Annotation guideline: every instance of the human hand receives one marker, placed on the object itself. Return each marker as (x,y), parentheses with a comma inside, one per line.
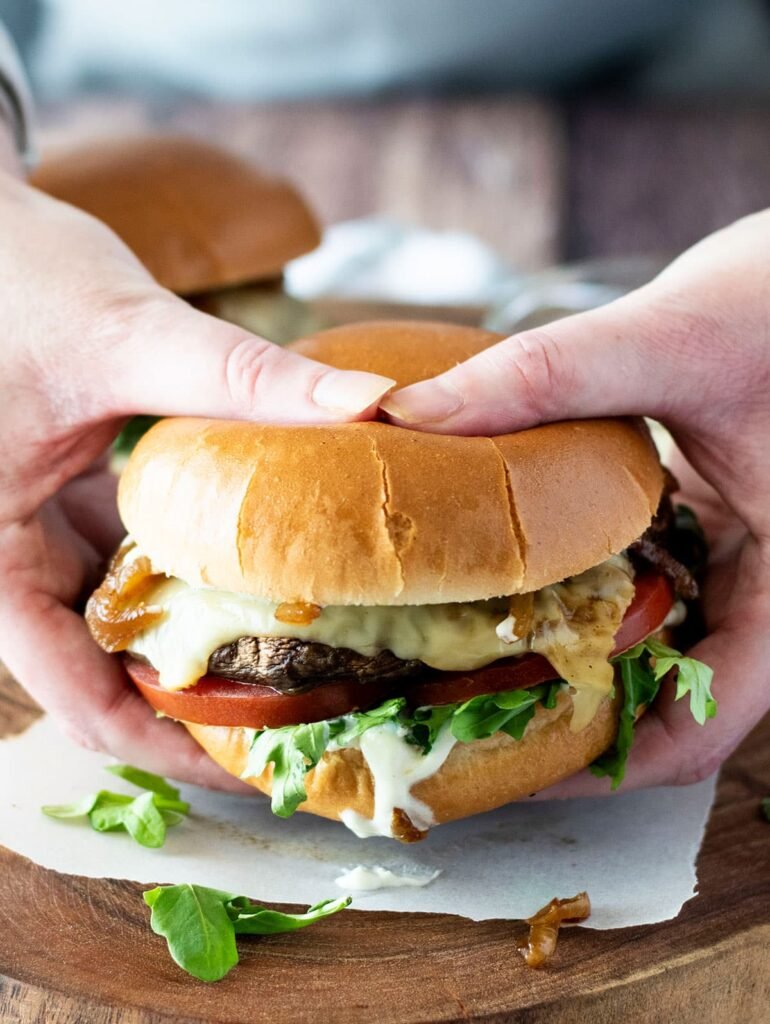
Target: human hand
(692,350)
(88,340)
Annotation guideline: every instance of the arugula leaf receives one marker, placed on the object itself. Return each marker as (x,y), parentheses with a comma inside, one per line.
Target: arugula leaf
(144,780)
(508,712)
(292,750)
(639,688)
(108,817)
(251,919)
(200,924)
(197,928)
(641,680)
(426,724)
(144,817)
(144,822)
(766,807)
(549,700)
(693,677)
(78,809)
(348,728)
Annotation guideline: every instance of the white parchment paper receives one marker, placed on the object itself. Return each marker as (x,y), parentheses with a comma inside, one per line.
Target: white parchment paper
(634,854)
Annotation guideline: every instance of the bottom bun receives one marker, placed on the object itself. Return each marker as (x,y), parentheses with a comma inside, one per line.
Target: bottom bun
(475,777)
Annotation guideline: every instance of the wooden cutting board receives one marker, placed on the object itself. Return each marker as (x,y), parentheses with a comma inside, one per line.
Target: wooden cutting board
(76,949)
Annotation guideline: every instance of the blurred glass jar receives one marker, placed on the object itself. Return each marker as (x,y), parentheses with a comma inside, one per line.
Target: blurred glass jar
(537,299)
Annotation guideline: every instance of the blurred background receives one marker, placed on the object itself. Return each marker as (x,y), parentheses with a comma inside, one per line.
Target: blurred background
(526,134)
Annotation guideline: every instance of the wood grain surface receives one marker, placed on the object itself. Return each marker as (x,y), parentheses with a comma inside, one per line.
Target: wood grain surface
(80,950)
(646,177)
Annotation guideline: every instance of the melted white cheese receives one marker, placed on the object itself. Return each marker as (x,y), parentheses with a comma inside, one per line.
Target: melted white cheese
(396,766)
(197,621)
(363,879)
(574,626)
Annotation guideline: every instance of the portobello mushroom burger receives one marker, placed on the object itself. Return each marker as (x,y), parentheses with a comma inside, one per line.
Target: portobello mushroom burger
(397,629)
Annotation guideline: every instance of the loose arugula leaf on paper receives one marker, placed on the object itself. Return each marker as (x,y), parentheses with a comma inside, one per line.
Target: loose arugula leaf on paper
(145,817)
(144,780)
(200,924)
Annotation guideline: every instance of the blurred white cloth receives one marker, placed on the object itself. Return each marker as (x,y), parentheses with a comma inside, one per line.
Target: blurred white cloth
(382,260)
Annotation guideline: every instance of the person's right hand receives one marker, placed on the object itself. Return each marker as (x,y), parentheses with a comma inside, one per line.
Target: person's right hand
(88,339)
(691,349)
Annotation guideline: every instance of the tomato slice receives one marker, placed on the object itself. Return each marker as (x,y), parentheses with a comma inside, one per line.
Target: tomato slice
(456,687)
(653,600)
(217,701)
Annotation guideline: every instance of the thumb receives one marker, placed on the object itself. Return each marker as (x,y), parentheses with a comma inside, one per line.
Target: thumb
(616,360)
(173,360)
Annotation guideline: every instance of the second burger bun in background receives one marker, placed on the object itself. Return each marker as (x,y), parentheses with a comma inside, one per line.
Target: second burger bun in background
(207,224)
(373,515)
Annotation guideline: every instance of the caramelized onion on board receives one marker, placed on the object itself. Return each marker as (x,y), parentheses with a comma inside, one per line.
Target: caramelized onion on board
(544,927)
(297,613)
(117,611)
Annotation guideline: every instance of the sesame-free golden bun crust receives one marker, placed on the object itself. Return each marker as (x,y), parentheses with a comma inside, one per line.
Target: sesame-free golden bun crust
(476,777)
(372,514)
(198,217)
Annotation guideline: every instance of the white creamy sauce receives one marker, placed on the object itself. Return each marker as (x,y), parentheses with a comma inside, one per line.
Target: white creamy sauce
(363,879)
(506,630)
(396,766)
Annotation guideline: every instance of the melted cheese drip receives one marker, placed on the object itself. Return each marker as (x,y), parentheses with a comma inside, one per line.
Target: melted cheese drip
(577,622)
(396,766)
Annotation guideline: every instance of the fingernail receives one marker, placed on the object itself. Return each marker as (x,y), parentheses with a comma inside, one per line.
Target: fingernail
(424,403)
(350,391)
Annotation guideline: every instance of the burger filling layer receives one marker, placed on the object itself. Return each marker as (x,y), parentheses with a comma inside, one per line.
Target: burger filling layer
(185,632)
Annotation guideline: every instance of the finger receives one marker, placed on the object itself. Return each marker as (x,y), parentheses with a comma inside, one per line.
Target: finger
(48,649)
(173,360)
(616,360)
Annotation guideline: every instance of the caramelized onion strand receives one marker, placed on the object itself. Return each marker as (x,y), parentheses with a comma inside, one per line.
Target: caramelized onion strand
(118,609)
(544,926)
(297,613)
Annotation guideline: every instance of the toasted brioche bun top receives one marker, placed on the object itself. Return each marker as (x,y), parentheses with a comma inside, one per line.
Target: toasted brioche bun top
(373,514)
(197,216)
